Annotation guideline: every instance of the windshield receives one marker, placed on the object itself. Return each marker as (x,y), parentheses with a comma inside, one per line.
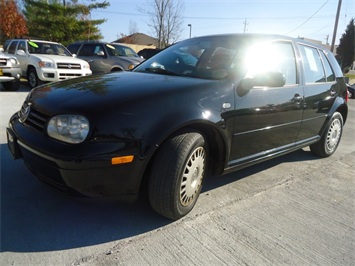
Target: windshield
(121,50)
(205,57)
(35,47)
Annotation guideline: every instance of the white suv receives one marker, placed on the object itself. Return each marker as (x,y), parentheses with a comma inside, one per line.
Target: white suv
(43,61)
(10,72)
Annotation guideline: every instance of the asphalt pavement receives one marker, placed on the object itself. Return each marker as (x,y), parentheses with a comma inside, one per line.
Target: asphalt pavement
(292,210)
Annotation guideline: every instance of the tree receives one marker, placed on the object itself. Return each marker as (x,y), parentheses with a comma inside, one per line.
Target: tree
(62,21)
(166,20)
(346,48)
(12,22)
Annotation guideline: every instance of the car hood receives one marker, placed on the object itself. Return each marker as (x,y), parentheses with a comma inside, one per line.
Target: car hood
(94,93)
(58,58)
(130,59)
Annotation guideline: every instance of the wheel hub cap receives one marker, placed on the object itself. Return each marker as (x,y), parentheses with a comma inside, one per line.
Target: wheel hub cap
(333,135)
(192,176)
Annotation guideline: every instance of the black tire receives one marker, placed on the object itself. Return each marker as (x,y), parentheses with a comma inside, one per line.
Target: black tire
(177,175)
(32,78)
(329,142)
(12,86)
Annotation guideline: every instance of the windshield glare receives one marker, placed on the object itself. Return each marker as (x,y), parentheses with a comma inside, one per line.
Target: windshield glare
(47,48)
(208,58)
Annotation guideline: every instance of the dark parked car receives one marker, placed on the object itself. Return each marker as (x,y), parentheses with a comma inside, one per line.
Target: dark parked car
(147,53)
(105,57)
(351,91)
(211,105)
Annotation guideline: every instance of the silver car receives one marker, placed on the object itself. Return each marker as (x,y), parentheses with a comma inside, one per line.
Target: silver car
(105,57)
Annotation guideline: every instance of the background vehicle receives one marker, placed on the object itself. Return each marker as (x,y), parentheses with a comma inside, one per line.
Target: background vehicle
(43,61)
(10,72)
(351,91)
(211,104)
(148,53)
(350,75)
(105,57)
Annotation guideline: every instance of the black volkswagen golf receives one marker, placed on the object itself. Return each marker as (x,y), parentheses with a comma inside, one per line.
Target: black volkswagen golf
(206,105)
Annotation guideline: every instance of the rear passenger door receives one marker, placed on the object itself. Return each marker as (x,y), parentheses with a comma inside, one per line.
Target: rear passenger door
(320,90)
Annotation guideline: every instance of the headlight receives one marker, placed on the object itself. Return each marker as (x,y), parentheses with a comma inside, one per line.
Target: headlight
(68,128)
(45,64)
(86,66)
(14,62)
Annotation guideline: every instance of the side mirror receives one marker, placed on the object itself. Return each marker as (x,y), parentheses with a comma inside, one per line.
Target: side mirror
(21,52)
(100,53)
(74,55)
(1,50)
(265,79)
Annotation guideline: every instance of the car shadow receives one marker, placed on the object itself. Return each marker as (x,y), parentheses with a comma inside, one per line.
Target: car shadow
(219,181)
(36,219)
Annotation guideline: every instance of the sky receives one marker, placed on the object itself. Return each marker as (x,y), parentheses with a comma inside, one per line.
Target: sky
(313,19)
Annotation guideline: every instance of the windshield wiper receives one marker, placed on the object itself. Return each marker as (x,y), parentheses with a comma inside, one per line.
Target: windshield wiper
(161,71)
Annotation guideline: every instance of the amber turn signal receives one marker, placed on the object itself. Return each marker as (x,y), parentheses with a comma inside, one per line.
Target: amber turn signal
(122,159)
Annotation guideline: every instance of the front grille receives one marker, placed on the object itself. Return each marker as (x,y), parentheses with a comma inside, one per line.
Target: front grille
(68,66)
(72,75)
(3,62)
(32,117)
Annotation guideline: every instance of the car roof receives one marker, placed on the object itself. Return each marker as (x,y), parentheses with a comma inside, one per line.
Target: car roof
(34,40)
(265,37)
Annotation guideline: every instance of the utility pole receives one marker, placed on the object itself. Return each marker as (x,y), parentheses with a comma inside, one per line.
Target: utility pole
(189,25)
(245,25)
(335,27)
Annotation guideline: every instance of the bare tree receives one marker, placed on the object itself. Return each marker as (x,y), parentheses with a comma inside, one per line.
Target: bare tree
(165,19)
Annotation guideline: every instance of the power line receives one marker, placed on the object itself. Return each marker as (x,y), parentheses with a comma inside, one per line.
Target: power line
(308,18)
(218,18)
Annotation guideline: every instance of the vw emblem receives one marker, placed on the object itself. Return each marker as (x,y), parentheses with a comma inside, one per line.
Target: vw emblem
(24,112)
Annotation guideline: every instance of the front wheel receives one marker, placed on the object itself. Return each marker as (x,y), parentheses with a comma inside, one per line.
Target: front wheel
(177,174)
(329,142)
(32,78)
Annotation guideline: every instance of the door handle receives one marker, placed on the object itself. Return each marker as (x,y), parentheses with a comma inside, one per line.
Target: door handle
(297,98)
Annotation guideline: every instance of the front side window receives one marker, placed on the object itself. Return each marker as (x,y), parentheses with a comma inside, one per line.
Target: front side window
(312,64)
(91,49)
(276,57)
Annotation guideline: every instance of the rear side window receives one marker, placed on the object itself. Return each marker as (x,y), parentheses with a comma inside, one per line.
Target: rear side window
(91,50)
(314,70)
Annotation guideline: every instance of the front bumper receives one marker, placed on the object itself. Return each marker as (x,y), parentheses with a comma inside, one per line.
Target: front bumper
(52,74)
(92,176)
(9,74)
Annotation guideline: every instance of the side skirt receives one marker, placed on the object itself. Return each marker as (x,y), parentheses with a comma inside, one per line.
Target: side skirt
(267,155)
